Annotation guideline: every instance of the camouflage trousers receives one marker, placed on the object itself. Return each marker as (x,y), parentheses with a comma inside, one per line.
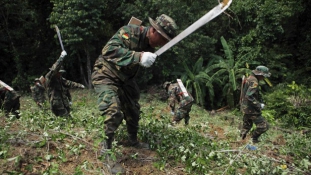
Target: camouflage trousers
(182,113)
(118,102)
(59,108)
(261,124)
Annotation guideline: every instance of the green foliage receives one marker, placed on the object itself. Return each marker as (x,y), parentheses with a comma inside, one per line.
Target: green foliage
(208,145)
(299,146)
(227,71)
(291,103)
(198,81)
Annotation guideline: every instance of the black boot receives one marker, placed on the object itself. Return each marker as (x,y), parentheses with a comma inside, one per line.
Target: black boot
(243,135)
(255,138)
(106,145)
(135,143)
(114,166)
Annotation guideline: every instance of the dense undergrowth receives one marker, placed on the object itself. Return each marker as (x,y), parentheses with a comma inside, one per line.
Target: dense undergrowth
(210,144)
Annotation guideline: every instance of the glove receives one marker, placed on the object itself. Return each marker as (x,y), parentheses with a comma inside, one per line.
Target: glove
(70,103)
(262,105)
(82,86)
(147,59)
(63,54)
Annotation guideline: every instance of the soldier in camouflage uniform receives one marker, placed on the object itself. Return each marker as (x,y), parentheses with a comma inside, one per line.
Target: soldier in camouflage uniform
(114,74)
(57,88)
(252,104)
(38,93)
(175,98)
(9,101)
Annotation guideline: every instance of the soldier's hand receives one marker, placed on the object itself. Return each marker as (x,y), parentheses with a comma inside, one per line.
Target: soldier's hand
(262,105)
(147,59)
(63,54)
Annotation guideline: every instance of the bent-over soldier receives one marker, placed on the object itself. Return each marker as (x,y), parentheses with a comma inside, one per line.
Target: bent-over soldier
(114,76)
(38,92)
(179,104)
(9,101)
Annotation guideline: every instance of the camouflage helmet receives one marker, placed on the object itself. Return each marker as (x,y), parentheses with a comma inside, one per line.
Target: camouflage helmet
(165,25)
(166,84)
(36,80)
(262,70)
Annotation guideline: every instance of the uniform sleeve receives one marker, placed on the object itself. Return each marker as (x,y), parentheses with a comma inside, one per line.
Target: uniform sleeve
(251,91)
(71,84)
(117,49)
(53,71)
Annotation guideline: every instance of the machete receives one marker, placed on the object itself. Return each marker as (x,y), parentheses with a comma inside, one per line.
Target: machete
(59,37)
(6,86)
(221,7)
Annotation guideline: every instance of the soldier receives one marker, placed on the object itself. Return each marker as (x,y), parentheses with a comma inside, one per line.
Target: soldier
(38,92)
(176,97)
(9,101)
(114,74)
(57,88)
(252,104)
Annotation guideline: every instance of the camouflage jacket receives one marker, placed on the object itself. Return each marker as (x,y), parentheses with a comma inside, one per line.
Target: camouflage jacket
(251,98)
(57,87)
(6,96)
(38,93)
(120,56)
(176,96)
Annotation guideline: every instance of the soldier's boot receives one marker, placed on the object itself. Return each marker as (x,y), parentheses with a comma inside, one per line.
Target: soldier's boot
(255,138)
(135,143)
(243,136)
(114,166)
(186,122)
(187,118)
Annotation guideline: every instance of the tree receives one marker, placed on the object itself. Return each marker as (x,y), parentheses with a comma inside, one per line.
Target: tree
(82,24)
(23,48)
(198,82)
(228,70)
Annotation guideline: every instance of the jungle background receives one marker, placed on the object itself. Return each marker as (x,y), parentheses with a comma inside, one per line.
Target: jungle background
(210,61)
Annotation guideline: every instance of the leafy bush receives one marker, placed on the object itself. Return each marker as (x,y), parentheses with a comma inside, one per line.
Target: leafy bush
(291,103)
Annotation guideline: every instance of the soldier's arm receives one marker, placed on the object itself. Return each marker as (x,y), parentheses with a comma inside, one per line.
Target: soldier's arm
(71,84)
(54,70)
(250,94)
(117,51)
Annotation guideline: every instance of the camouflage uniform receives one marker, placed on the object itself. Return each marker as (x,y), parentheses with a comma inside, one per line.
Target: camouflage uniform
(38,93)
(9,101)
(185,103)
(57,89)
(251,108)
(114,80)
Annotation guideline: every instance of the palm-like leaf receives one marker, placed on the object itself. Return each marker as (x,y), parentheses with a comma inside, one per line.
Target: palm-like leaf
(197,81)
(229,70)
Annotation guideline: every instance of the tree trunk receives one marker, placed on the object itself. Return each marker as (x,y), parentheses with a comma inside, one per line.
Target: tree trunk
(81,70)
(88,68)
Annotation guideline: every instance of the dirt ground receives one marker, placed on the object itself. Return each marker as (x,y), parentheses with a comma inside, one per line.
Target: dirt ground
(29,158)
